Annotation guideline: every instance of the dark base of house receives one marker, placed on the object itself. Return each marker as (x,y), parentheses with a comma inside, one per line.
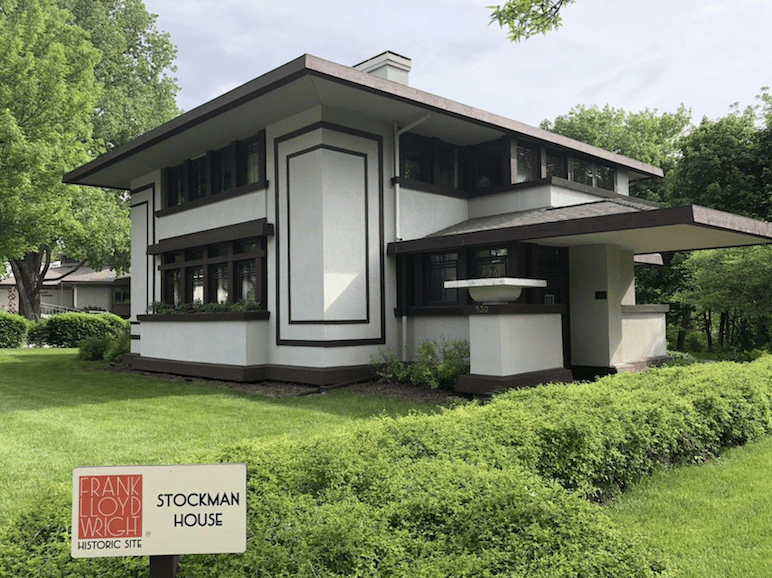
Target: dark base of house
(591,373)
(476,384)
(318,376)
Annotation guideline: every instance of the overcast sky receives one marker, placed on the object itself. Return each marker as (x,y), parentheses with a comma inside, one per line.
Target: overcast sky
(630,54)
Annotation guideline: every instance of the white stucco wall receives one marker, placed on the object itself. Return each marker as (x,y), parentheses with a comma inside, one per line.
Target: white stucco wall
(502,345)
(331,248)
(598,337)
(423,213)
(596,323)
(643,337)
(510,202)
(207,342)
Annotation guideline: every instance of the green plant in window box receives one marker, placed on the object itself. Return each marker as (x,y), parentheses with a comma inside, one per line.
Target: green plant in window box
(162,308)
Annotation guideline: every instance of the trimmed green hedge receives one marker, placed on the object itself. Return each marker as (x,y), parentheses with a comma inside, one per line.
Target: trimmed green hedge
(13,330)
(504,489)
(70,329)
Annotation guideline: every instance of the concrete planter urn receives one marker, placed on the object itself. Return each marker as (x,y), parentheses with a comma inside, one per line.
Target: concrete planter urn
(495,289)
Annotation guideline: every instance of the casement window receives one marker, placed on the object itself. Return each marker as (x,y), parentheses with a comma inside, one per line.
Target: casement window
(417,158)
(430,160)
(495,164)
(527,163)
(557,165)
(240,165)
(491,263)
(592,174)
(582,170)
(218,273)
(442,267)
(489,161)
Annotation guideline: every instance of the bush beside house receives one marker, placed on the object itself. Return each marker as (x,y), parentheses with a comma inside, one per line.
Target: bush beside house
(504,489)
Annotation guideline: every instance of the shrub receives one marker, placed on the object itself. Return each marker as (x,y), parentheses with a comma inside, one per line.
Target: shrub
(117,348)
(13,330)
(69,329)
(38,333)
(389,367)
(93,348)
(436,364)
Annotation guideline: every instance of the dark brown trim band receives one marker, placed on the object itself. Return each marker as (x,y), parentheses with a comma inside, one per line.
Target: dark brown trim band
(646,308)
(467,310)
(204,317)
(318,376)
(476,384)
(257,228)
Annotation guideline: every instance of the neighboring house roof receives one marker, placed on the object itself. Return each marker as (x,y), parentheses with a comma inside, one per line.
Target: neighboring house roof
(67,273)
(631,223)
(299,85)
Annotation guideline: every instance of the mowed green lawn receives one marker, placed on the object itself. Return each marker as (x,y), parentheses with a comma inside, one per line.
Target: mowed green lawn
(708,521)
(58,413)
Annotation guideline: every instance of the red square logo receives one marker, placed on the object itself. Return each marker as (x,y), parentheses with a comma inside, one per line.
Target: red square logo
(110,507)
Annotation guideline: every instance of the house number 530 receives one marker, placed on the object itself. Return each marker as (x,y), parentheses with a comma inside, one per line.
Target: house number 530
(481,309)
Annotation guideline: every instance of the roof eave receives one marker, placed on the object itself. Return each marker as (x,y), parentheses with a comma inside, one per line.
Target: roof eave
(754,231)
(308,64)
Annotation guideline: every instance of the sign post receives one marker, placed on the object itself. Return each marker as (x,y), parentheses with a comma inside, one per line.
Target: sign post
(164,566)
(159,511)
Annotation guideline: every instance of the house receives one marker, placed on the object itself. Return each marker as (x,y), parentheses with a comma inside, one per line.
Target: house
(347,203)
(70,287)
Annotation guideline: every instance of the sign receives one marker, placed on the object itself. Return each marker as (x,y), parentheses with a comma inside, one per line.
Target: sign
(159,510)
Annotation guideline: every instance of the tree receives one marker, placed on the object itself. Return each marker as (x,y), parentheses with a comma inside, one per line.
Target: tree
(130,92)
(527,18)
(734,283)
(47,92)
(720,166)
(138,92)
(647,136)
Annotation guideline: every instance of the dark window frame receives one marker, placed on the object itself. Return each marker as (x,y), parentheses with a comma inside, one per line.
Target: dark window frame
(415,293)
(181,264)
(202,179)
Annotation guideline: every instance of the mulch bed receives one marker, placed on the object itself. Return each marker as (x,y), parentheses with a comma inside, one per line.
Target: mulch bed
(282,390)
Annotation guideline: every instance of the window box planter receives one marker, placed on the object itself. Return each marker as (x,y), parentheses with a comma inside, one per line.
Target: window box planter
(495,289)
(219,316)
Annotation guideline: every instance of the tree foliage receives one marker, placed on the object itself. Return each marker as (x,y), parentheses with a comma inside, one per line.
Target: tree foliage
(135,71)
(527,18)
(62,101)
(647,136)
(734,284)
(720,166)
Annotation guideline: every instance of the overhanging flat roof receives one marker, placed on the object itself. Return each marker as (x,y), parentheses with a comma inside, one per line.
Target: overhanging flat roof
(299,85)
(633,226)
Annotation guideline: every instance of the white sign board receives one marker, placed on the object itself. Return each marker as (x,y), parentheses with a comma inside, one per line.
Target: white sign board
(159,510)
